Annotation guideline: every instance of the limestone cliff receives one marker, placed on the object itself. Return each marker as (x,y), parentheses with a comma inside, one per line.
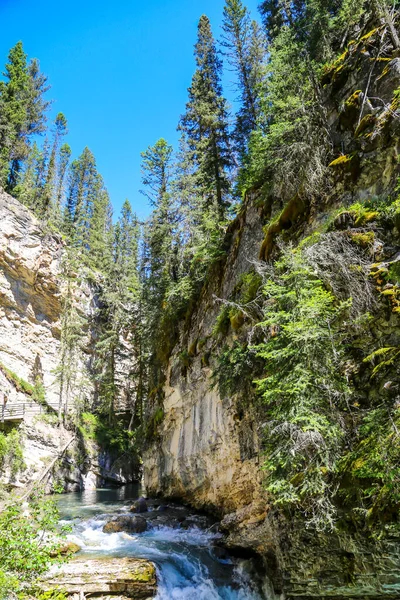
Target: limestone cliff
(207,448)
(30,296)
(32,288)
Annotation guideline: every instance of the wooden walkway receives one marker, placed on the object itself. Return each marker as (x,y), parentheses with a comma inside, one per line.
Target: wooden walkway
(18,411)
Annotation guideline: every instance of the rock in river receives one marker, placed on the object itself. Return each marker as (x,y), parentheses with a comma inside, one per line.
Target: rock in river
(140,506)
(104,578)
(126,523)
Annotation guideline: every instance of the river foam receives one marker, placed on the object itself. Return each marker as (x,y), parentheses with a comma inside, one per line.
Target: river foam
(188,567)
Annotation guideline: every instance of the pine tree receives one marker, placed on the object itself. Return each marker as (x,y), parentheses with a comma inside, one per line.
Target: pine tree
(40,182)
(49,203)
(83,186)
(156,165)
(22,113)
(73,324)
(245,49)
(26,189)
(312,22)
(119,296)
(63,162)
(205,125)
(100,229)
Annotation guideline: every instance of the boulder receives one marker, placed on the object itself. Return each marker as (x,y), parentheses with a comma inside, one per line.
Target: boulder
(140,506)
(66,549)
(104,578)
(127,524)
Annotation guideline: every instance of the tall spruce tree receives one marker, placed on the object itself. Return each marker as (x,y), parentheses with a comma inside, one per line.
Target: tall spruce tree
(245,49)
(205,125)
(63,162)
(50,206)
(158,264)
(22,113)
(159,256)
(119,296)
(83,186)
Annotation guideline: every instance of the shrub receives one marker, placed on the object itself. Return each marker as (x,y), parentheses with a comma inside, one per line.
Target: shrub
(26,548)
(11,451)
(303,388)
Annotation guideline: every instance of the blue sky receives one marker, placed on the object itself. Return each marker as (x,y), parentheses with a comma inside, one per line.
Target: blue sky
(119,71)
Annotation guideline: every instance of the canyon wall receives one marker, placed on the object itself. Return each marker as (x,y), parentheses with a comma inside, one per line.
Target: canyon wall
(207,449)
(33,285)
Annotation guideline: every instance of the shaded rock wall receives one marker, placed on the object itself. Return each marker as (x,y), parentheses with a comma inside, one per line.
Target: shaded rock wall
(207,448)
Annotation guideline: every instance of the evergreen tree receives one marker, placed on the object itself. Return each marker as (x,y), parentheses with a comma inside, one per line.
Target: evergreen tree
(312,23)
(73,324)
(40,182)
(63,162)
(83,187)
(100,229)
(156,170)
(120,294)
(22,114)
(49,203)
(205,125)
(26,189)
(245,51)
(158,264)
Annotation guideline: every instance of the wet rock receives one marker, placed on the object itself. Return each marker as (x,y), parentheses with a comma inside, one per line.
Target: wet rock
(140,506)
(67,548)
(104,578)
(163,508)
(169,517)
(220,553)
(126,524)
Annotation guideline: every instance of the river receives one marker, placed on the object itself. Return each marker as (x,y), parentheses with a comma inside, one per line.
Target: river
(189,565)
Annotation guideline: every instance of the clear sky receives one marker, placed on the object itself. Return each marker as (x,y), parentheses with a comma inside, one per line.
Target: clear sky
(119,71)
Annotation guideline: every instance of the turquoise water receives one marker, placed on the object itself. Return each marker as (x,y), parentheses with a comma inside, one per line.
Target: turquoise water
(188,567)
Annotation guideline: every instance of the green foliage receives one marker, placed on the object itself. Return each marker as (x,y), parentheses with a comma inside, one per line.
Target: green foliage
(236,367)
(154,422)
(373,464)
(50,595)
(11,451)
(250,285)
(22,112)
(20,384)
(205,126)
(303,388)
(288,150)
(26,549)
(222,322)
(383,359)
(244,45)
(116,438)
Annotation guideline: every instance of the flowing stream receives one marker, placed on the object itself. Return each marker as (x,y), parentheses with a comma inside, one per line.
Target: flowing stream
(189,566)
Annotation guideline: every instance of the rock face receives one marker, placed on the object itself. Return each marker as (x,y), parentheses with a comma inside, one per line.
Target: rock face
(207,452)
(207,448)
(30,296)
(32,286)
(104,578)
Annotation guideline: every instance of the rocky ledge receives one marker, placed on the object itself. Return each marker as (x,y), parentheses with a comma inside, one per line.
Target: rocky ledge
(105,578)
